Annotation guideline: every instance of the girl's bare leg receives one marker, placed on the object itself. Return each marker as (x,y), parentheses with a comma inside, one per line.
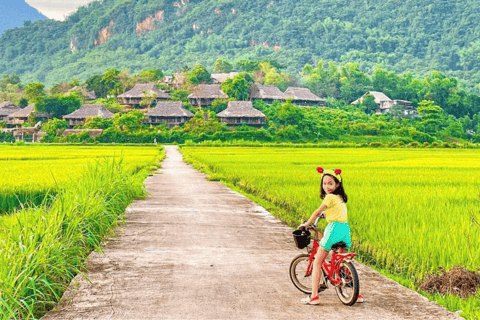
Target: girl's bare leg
(319,258)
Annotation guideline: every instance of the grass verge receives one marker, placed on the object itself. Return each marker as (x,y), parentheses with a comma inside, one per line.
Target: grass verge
(43,248)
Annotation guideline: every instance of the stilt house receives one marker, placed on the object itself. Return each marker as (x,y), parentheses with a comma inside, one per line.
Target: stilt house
(78,117)
(7,108)
(21,116)
(171,113)
(239,112)
(269,94)
(304,97)
(204,94)
(134,96)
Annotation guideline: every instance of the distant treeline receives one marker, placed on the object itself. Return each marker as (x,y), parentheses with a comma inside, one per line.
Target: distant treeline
(411,35)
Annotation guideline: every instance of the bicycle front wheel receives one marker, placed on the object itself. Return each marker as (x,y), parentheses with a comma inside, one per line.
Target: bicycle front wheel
(298,270)
(349,288)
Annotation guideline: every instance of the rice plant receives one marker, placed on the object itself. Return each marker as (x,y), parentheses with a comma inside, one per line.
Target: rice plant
(411,210)
(43,248)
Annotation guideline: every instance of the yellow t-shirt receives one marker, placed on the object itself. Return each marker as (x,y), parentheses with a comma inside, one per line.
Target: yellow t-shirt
(337,209)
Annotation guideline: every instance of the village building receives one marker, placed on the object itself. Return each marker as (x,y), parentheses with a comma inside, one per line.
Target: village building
(171,113)
(6,109)
(87,95)
(385,103)
(21,116)
(78,117)
(268,94)
(304,97)
(134,96)
(239,112)
(204,94)
(219,78)
(407,107)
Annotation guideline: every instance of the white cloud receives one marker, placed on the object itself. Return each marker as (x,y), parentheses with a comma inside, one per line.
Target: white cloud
(57,9)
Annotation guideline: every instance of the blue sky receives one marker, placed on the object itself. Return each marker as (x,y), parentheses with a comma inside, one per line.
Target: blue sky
(57,9)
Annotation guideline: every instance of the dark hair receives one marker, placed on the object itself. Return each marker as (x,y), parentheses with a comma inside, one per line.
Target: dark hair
(339,191)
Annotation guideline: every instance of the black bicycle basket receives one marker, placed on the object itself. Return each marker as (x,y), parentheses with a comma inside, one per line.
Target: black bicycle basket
(302,238)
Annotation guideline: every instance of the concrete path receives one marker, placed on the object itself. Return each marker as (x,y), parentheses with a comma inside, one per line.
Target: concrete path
(195,249)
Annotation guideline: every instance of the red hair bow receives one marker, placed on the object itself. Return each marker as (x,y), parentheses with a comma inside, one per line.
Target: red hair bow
(337,171)
(320,170)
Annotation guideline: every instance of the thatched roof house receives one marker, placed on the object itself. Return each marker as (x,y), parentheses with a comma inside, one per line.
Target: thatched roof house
(304,97)
(170,112)
(21,116)
(78,117)
(6,109)
(134,96)
(239,112)
(204,94)
(266,93)
(385,103)
(221,77)
(87,95)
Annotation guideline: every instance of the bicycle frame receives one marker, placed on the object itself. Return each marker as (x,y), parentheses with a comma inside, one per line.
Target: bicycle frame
(330,269)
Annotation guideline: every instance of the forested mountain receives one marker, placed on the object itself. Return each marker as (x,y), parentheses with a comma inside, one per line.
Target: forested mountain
(415,35)
(13,13)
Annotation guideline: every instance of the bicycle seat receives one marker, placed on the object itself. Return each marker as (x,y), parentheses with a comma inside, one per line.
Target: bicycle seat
(337,245)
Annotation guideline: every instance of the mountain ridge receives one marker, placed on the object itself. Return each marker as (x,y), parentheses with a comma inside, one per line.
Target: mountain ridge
(413,36)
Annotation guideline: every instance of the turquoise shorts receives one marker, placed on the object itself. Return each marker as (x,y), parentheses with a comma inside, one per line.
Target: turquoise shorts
(336,232)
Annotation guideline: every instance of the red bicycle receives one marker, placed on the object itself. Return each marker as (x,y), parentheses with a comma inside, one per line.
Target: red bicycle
(339,271)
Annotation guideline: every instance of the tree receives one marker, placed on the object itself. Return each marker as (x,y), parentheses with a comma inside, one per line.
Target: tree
(199,75)
(354,82)
(432,117)
(52,125)
(148,98)
(369,104)
(222,66)
(239,86)
(129,121)
(218,105)
(58,105)
(149,75)
(11,78)
(98,123)
(271,76)
(34,90)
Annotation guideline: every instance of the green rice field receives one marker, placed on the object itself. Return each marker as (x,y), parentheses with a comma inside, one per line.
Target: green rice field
(44,244)
(28,173)
(411,211)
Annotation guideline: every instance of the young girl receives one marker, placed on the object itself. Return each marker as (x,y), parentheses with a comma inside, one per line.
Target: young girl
(334,200)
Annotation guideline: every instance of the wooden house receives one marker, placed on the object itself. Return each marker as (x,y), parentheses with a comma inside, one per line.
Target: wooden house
(268,94)
(21,116)
(134,96)
(304,97)
(172,113)
(219,78)
(239,112)
(204,94)
(407,107)
(7,108)
(78,117)
(384,103)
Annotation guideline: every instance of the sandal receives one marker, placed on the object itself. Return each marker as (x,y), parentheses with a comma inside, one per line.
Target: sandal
(309,300)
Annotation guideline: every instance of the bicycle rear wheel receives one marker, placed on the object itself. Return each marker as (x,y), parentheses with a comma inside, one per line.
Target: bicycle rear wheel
(298,270)
(348,289)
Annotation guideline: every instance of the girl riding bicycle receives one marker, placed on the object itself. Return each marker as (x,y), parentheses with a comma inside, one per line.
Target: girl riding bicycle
(335,210)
